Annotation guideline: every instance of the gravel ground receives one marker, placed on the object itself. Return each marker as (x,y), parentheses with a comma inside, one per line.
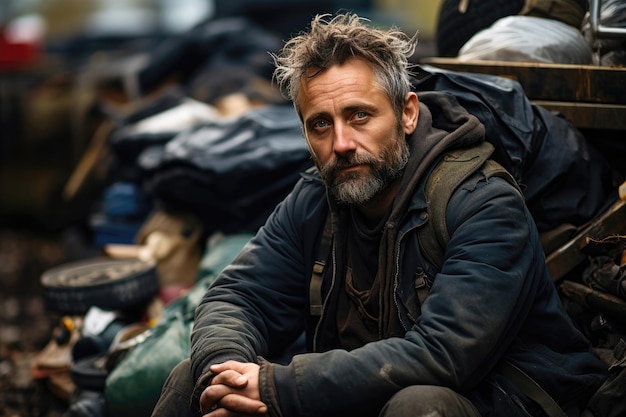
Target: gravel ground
(25,324)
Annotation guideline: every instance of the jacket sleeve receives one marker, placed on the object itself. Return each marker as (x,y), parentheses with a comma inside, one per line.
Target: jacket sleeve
(476,307)
(257,304)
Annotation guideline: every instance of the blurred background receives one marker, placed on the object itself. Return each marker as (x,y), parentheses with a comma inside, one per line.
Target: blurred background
(53,51)
(118,121)
(71,69)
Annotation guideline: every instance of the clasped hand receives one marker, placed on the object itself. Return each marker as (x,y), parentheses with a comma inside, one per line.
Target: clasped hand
(234,391)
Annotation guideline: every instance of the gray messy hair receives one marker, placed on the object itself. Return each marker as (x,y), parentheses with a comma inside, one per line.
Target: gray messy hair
(334,40)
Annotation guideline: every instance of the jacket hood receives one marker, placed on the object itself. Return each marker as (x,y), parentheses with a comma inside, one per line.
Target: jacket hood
(443,124)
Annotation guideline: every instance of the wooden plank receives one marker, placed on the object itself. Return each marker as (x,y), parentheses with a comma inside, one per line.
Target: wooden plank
(570,255)
(551,82)
(594,299)
(589,115)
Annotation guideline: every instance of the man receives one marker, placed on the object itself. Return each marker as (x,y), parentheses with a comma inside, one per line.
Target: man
(374,350)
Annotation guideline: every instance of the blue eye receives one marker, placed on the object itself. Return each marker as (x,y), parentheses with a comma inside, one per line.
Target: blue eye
(360,115)
(320,124)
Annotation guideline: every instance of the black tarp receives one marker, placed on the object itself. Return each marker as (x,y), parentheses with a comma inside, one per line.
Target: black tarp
(565,179)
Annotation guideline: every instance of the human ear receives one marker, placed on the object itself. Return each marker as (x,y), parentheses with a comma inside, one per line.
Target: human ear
(410,113)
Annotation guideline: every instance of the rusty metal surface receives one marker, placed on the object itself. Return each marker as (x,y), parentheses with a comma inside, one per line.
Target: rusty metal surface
(590,97)
(589,115)
(552,82)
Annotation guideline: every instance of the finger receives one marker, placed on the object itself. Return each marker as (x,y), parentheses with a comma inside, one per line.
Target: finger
(230,378)
(213,412)
(242,404)
(212,395)
(234,405)
(222,396)
(228,365)
(219,412)
(223,412)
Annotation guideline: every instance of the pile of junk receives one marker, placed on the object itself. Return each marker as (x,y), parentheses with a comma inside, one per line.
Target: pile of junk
(196,156)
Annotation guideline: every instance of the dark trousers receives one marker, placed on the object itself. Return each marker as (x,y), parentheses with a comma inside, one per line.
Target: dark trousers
(413,401)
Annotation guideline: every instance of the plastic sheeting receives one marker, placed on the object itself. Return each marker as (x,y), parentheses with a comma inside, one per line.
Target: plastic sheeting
(230,172)
(529,39)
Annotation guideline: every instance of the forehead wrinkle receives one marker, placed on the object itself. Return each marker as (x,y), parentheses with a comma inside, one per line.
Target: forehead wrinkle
(354,95)
(333,90)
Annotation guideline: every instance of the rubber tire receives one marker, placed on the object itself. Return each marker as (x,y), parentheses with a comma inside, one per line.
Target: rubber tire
(110,284)
(454,29)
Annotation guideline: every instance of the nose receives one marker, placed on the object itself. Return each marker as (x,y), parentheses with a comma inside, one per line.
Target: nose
(344,140)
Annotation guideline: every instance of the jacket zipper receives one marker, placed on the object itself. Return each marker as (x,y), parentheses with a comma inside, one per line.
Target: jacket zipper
(397,274)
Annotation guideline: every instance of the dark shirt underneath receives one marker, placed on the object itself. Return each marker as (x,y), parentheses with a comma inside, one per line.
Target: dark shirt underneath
(358,309)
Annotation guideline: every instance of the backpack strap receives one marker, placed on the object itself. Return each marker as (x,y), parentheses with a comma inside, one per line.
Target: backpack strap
(454,168)
(315,286)
(451,171)
(316,302)
(531,388)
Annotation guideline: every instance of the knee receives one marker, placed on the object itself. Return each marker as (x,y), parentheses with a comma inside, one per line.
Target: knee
(179,384)
(428,401)
(176,393)
(180,378)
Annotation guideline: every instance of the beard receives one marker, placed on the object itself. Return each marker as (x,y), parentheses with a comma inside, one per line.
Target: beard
(362,186)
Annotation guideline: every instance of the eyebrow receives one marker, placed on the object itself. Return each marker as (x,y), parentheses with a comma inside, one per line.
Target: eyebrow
(361,107)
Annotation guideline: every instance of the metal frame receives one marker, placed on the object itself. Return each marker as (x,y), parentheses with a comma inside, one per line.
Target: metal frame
(598,30)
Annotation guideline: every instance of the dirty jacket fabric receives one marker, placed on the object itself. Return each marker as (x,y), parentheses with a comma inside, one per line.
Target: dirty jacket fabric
(492,300)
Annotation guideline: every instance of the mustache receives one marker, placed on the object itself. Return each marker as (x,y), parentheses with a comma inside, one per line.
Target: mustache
(343,162)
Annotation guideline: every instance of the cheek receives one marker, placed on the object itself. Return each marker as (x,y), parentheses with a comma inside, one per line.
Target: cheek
(321,151)
(380,141)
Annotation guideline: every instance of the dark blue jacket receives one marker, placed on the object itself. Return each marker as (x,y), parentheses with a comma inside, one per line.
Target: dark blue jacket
(492,300)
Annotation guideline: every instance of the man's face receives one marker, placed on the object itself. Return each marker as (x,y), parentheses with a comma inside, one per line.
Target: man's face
(356,140)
